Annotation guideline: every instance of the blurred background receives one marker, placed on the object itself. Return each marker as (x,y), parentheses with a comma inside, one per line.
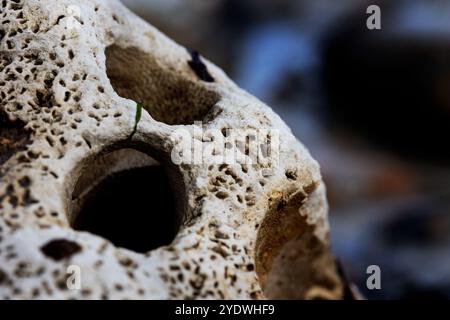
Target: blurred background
(372,106)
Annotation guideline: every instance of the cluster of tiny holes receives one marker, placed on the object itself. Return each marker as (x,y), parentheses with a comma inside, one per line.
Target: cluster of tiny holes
(23,67)
(28,79)
(190,276)
(227,180)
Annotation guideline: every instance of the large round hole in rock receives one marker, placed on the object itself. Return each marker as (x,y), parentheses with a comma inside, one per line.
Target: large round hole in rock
(168,96)
(125,197)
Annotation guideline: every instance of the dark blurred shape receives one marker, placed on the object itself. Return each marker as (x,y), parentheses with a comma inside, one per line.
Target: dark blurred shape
(236,16)
(351,291)
(391,86)
(414,292)
(410,243)
(199,67)
(290,90)
(425,224)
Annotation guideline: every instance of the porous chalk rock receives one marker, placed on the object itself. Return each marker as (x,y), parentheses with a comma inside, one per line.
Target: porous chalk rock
(71,73)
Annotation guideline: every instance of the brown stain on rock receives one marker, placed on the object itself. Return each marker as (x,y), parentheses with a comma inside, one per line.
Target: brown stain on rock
(13,137)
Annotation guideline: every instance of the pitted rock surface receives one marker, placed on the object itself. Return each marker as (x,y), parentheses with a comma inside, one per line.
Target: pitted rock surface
(71,73)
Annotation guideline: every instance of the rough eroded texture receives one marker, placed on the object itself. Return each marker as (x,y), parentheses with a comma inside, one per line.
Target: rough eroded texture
(69,79)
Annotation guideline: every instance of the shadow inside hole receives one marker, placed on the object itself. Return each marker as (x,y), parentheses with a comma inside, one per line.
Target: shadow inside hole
(291,261)
(168,96)
(133,209)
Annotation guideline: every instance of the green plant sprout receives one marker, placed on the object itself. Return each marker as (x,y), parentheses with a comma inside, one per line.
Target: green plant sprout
(137,118)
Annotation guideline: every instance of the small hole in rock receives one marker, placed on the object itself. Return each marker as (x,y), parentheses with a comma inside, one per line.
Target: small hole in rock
(125,196)
(168,96)
(13,137)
